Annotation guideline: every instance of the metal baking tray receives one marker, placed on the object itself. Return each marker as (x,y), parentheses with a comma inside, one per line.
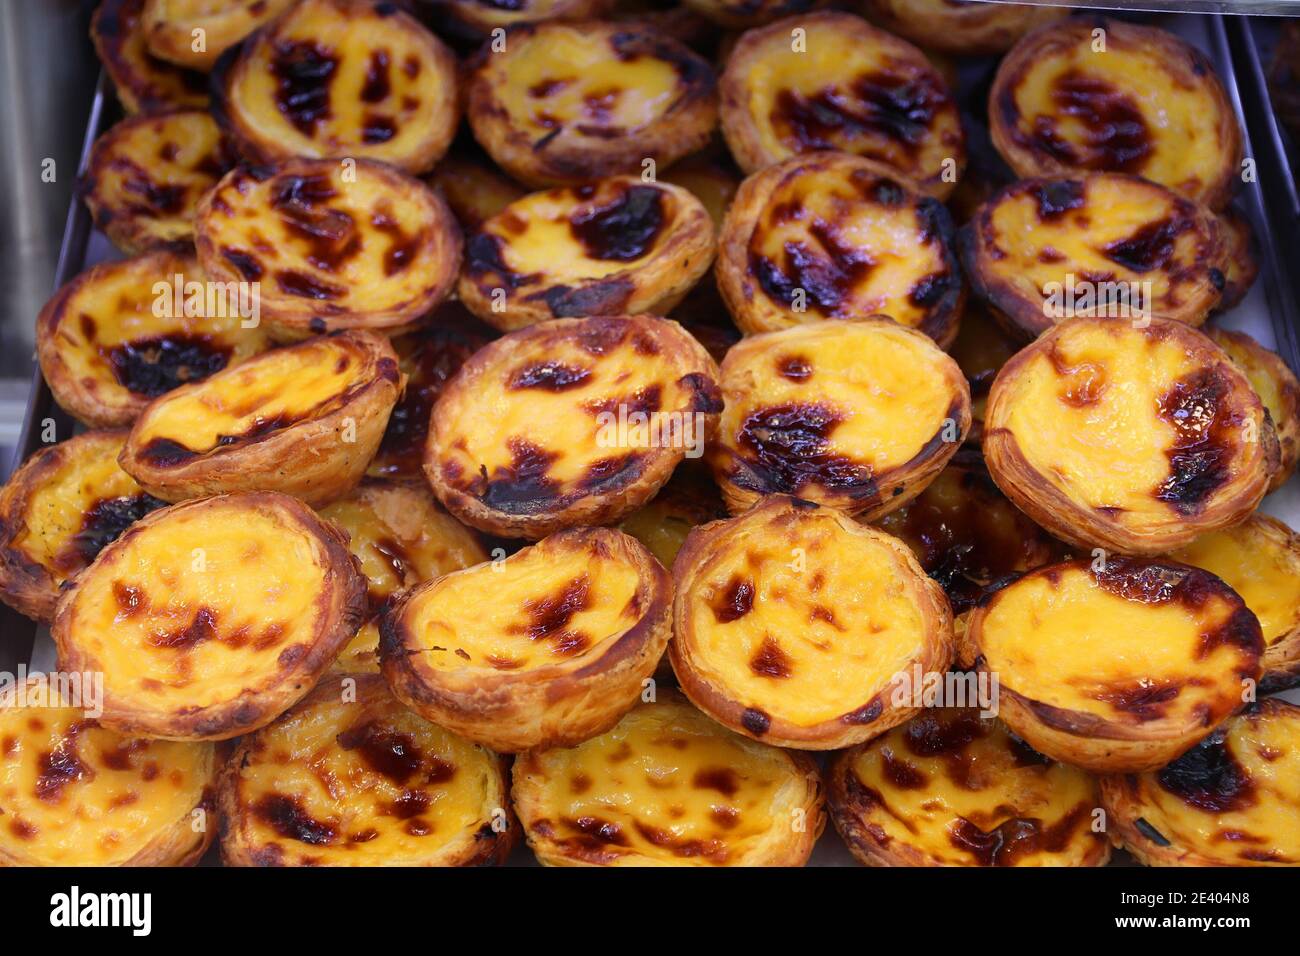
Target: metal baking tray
(1271,312)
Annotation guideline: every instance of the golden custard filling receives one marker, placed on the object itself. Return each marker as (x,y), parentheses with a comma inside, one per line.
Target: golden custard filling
(324,81)
(1123,110)
(843,93)
(75,794)
(845,244)
(110,331)
(573,233)
(544,423)
(80,507)
(833,404)
(323,237)
(1133,645)
(965,792)
(369,785)
(802,619)
(282,388)
(563,78)
(546,606)
(1258,561)
(200,607)
(666,784)
(1235,797)
(1117,418)
(156,169)
(1043,234)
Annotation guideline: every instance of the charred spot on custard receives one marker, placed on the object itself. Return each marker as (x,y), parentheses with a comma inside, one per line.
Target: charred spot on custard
(624,229)
(304,72)
(1209,777)
(549,618)
(1016,837)
(1117,137)
(1057,197)
(1152,246)
(156,365)
(1206,431)
(548,376)
(787,447)
(733,601)
(102,524)
(287,817)
(771,661)
(521,487)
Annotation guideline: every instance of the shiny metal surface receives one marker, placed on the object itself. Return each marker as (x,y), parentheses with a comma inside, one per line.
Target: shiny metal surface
(47,81)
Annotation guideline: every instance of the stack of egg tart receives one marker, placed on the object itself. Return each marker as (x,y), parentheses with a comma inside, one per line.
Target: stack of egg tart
(599,426)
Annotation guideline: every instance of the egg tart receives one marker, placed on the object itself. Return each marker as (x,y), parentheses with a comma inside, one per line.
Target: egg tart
(171,27)
(950,788)
(332,246)
(1131,439)
(1260,560)
(1232,800)
(981,348)
(428,357)
(1242,268)
(107,347)
(1148,104)
(565,103)
(571,422)
(400,537)
(211,618)
(962,29)
(349,777)
(561,637)
(1108,245)
(858,414)
(57,512)
(143,83)
(796,625)
(668,787)
(474,188)
(73,793)
(840,84)
(477,19)
(1277,388)
(347,79)
(830,235)
(611,247)
(1118,664)
(967,535)
(304,419)
(146,175)
(688,500)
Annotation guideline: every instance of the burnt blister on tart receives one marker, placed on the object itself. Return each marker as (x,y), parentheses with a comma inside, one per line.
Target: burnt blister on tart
(771,604)
(428,357)
(617,246)
(302,419)
(565,103)
(668,787)
(840,84)
(544,648)
(210,618)
(146,175)
(172,28)
(400,538)
(331,245)
(58,510)
(74,793)
(570,422)
(1116,664)
(856,414)
(1277,388)
(967,535)
(1260,560)
(830,236)
(144,83)
(106,349)
(1108,245)
(350,777)
(963,29)
(1229,801)
(347,79)
(954,788)
(1130,437)
(1105,95)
